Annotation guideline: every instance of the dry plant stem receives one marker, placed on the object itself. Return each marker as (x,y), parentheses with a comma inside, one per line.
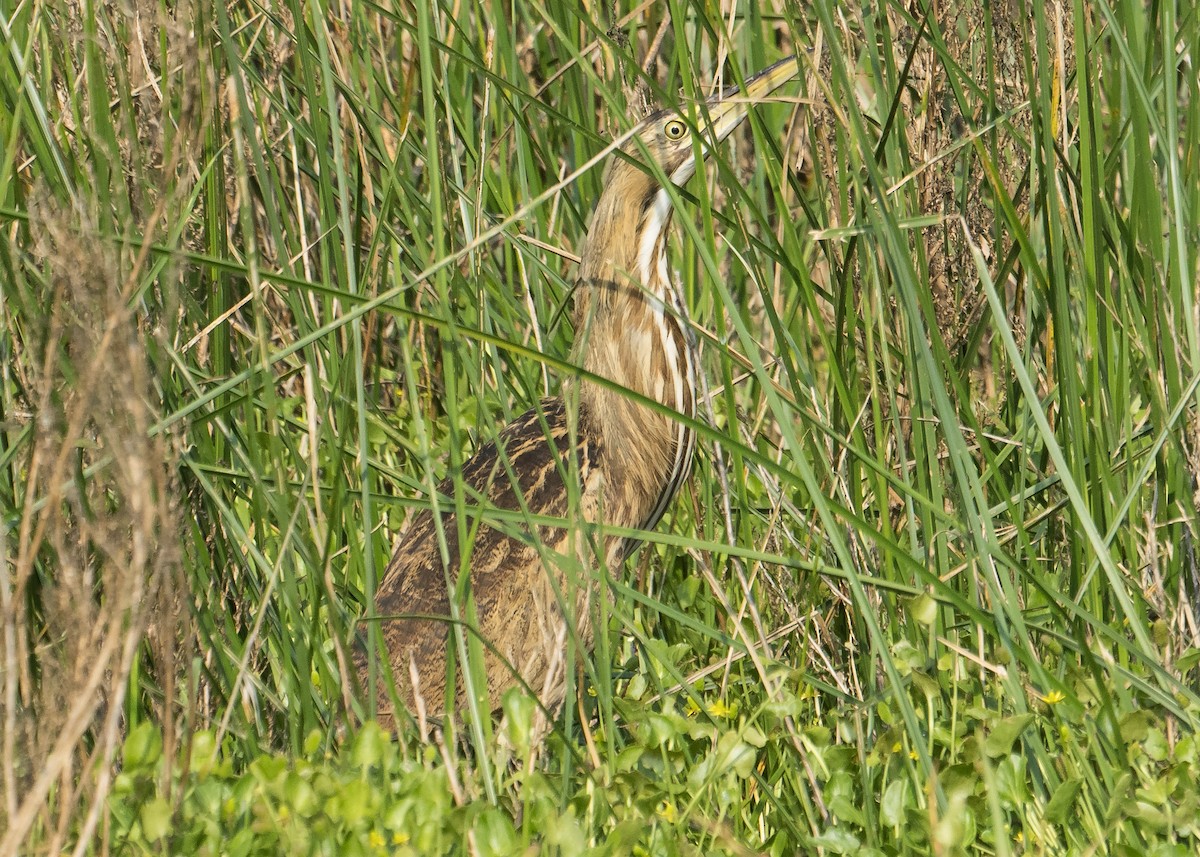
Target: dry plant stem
(78,718)
(10,689)
(112,728)
(656,44)
(122,632)
(589,739)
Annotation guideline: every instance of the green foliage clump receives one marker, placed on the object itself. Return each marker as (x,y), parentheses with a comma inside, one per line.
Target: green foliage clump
(365,800)
(708,778)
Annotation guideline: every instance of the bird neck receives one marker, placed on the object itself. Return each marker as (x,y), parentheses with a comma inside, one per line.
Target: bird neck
(627,314)
(628,330)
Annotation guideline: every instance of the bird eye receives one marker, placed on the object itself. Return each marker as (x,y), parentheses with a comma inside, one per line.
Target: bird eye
(675,130)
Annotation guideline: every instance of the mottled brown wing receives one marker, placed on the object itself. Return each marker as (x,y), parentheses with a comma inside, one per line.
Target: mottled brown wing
(516,603)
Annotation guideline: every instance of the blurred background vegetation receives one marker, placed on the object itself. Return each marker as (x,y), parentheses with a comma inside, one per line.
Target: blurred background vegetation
(269,269)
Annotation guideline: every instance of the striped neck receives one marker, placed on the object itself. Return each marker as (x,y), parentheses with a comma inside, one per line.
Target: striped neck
(631,330)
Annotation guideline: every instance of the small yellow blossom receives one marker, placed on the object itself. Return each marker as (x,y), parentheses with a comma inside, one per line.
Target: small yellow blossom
(376,839)
(719,708)
(667,812)
(1054,697)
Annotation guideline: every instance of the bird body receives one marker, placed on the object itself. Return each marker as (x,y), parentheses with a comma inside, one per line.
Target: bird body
(518,604)
(592,455)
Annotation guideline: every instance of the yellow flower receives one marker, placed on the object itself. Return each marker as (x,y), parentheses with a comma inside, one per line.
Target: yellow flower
(1054,697)
(667,812)
(719,709)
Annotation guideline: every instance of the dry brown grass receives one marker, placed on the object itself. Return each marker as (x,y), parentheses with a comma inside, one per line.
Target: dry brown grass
(96,556)
(91,602)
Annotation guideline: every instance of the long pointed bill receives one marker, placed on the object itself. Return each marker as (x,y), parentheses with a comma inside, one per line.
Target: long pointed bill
(727,110)
(722,113)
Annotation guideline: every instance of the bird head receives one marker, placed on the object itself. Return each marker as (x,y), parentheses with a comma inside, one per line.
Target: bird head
(627,232)
(669,136)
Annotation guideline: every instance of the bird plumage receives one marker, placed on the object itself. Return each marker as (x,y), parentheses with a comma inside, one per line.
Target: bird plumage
(517,603)
(593,454)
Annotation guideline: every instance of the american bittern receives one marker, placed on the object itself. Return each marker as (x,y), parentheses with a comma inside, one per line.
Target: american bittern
(594,454)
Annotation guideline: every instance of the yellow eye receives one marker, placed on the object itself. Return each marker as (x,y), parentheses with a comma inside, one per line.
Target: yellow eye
(675,130)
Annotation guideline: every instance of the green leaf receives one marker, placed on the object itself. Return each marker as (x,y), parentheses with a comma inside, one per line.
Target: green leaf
(819,735)
(754,737)
(1004,733)
(923,609)
(955,828)
(838,840)
(301,796)
(203,752)
(1119,798)
(156,819)
(907,657)
(494,833)
(143,746)
(1135,725)
(1059,807)
(894,803)
(1189,658)
(518,709)
(270,770)
(840,798)
(928,686)
(1012,784)
(370,745)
